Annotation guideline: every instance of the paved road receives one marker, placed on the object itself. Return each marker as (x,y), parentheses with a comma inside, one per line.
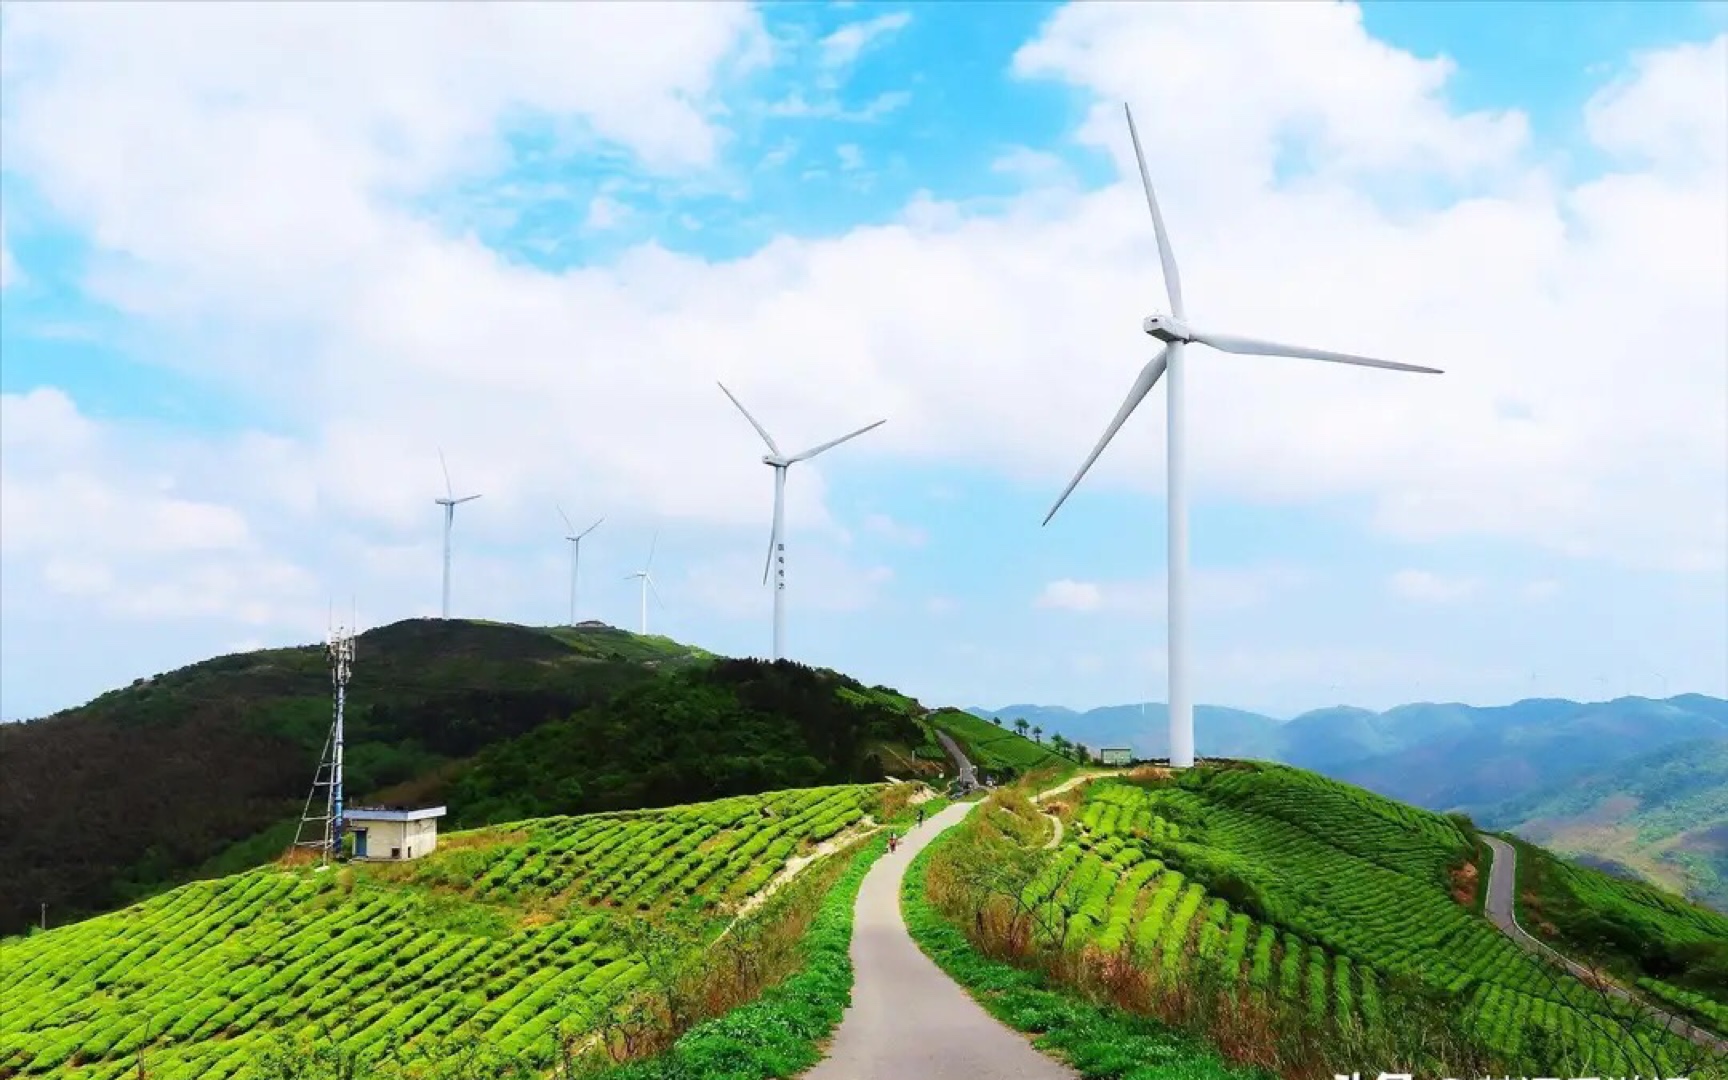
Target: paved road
(968,775)
(1502,886)
(908,1020)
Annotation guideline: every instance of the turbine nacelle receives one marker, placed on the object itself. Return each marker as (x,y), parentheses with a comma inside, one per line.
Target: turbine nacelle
(776,461)
(1167,328)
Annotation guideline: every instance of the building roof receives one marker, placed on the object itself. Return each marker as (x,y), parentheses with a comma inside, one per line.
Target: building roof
(391,813)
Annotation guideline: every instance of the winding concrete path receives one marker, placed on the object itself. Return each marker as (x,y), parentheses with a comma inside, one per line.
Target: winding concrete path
(907,1019)
(968,775)
(1501,909)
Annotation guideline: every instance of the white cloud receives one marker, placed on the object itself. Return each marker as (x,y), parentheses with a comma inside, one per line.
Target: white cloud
(797,107)
(1070,595)
(850,156)
(270,225)
(844,45)
(941,605)
(1214,589)
(1671,108)
(8,268)
(605,212)
(1428,587)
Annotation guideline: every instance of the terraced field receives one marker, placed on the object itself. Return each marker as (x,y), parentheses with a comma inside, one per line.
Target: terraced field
(1337,899)
(507,934)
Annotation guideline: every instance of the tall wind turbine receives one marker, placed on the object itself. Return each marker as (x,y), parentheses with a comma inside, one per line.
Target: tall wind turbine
(1176,333)
(575,554)
(646,576)
(450,502)
(777,536)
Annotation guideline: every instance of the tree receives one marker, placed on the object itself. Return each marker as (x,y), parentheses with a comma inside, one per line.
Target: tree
(997,720)
(1021,725)
(1060,743)
(1037,734)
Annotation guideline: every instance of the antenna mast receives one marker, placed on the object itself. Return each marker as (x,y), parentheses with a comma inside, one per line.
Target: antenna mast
(321,820)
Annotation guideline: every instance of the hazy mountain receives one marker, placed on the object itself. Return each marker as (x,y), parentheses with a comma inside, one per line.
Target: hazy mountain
(1661,815)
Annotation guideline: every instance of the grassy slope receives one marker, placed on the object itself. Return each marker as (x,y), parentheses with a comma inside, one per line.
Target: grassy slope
(196,772)
(497,939)
(1330,898)
(1634,930)
(1662,816)
(998,751)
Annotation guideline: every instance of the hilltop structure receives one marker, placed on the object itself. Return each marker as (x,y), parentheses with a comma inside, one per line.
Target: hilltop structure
(404,834)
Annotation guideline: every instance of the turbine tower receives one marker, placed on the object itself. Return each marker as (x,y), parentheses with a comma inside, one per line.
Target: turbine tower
(777,535)
(646,576)
(575,554)
(1175,333)
(450,502)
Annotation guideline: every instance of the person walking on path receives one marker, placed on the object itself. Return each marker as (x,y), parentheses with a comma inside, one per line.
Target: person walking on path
(893,842)
(920,815)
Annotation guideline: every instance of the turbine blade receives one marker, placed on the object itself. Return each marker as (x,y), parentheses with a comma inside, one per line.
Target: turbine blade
(1147,379)
(1172,279)
(464,499)
(760,430)
(768,563)
(650,580)
(566,518)
(1230,343)
(589,529)
(830,444)
(442,464)
(649,565)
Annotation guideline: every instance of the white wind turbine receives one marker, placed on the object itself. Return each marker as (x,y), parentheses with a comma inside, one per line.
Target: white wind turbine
(575,539)
(646,576)
(450,502)
(777,535)
(1175,333)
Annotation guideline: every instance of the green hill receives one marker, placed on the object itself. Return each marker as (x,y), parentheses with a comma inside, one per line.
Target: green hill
(511,939)
(1347,915)
(1000,752)
(1662,816)
(204,770)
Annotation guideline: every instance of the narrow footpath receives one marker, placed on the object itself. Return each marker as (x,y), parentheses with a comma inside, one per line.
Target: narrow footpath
(1502,888)
(907,1019)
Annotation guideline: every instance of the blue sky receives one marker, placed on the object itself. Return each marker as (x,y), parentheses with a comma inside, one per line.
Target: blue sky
(242,314)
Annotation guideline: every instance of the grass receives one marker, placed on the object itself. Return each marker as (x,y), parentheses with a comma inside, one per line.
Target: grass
(1099,1041)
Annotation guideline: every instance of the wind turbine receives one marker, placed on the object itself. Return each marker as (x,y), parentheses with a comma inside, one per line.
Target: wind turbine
(450,502)
(646,575)
(777,535)
(1175,333)
(575,554)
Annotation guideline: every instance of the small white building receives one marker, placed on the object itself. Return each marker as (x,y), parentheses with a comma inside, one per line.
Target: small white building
(390,834)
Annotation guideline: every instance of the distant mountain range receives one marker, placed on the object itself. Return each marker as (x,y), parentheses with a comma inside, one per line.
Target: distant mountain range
(1635,785)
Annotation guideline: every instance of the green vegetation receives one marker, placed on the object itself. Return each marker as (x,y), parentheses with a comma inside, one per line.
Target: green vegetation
(777,1035)
(1097,1039)
(727,727)
(1633,930)
(1326,908)
(999,751)
(1661,816)
(523,941)
(202,771)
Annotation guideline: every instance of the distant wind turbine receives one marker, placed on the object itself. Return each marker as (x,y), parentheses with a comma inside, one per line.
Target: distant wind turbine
(450,502)
(575,539)
(1175,333)
(646,576)
(777,535)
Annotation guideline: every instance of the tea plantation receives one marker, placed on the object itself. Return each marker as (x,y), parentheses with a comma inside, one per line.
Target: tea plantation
(503,937)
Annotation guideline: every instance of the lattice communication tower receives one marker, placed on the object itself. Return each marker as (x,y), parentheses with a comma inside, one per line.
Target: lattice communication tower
(321,821)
